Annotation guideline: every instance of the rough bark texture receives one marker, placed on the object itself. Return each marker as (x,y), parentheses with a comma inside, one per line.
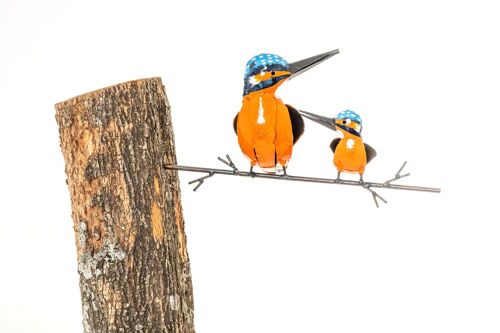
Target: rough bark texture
(126,209)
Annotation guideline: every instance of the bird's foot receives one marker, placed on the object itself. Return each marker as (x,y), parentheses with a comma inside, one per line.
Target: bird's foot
(361,181)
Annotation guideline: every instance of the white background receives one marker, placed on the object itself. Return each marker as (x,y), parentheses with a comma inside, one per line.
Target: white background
(272,256)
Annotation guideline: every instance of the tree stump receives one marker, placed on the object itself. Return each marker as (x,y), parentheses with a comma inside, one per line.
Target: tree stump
(126,209)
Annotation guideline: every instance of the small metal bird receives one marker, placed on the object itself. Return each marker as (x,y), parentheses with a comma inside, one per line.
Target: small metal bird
(350,153)
(267,129)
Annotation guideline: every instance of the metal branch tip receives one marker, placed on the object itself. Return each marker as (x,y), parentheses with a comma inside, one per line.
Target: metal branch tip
(200,180)
(398,175)
(229,163)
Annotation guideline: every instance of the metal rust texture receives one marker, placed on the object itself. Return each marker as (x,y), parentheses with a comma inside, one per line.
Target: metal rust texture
(126,209)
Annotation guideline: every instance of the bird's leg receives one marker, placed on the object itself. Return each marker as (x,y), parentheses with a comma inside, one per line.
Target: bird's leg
(280,170)
(361,179)
(252,174)
(338,177)
(284,172)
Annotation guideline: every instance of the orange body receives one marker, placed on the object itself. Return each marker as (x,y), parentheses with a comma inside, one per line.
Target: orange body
(264,129)
(350,154)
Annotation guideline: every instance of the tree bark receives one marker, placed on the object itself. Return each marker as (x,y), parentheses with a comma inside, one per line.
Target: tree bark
(126,209)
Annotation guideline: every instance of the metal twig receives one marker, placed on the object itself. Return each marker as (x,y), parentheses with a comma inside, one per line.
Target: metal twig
(375,195)
(201,180)
(229,163)
(398,175)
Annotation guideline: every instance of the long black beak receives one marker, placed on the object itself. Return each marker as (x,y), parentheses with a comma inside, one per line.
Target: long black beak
(301,66)
(325,121)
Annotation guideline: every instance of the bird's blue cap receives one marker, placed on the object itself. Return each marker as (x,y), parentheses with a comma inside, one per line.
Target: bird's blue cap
(349,114)
(265,61)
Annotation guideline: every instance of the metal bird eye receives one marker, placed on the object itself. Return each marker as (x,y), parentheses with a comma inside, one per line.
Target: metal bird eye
(273,73)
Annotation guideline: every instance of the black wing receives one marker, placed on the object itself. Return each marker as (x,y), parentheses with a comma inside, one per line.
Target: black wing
(334,143)
(297,123)
(370,153)
(235,124)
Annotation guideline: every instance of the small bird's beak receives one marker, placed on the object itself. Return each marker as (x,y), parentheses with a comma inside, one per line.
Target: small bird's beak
(325,121)
(301,66)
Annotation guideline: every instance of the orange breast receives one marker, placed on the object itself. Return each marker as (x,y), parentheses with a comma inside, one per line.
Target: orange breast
(350,155)
(265,130)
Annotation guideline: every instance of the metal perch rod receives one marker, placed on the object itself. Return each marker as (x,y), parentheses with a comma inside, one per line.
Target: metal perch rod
(212,172)
(236,172)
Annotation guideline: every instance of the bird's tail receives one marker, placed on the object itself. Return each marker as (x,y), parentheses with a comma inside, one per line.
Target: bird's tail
(265,152)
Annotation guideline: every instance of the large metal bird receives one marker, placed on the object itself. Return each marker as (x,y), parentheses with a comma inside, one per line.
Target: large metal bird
(267,129)
(350,153)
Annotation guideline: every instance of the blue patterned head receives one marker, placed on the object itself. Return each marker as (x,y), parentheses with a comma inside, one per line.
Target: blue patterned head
(270,70)
(347,121)
(263,71)
(349,114)
(265,61)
